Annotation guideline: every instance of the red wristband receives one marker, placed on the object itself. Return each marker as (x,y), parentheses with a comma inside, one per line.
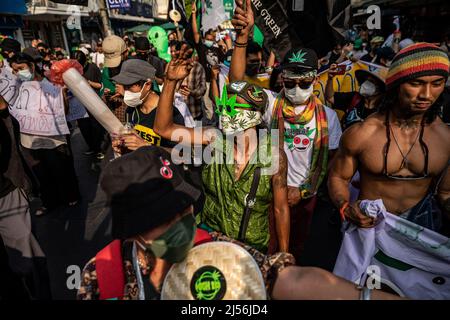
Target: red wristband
(342,210)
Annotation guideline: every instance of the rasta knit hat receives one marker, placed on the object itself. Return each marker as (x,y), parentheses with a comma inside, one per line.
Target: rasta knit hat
(417,60)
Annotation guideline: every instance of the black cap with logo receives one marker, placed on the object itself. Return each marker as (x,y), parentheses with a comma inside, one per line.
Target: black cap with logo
(145,190)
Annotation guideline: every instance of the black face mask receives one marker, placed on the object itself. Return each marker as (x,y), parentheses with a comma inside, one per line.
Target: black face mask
(252,69)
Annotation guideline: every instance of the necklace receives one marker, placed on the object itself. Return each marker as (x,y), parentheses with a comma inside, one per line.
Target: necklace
(404,163)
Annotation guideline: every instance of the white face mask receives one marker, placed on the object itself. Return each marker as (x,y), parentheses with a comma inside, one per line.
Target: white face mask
(133,99)
(368,89)
(25,75)
(297,95)
(209,43)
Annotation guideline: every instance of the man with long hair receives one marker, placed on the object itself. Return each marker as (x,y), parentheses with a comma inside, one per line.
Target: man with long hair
(401,151)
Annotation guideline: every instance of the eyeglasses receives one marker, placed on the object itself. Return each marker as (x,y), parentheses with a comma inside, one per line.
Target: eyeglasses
(302,83)
(386,151)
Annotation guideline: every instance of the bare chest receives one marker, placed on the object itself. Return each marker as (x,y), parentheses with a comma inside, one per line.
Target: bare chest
(405,154)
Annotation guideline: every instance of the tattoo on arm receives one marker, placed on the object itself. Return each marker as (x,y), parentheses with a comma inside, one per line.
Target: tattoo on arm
(280,178)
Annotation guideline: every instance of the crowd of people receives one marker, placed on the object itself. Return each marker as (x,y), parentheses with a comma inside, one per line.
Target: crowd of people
(218,91)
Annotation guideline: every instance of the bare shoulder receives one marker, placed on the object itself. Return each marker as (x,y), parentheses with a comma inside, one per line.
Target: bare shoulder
(441,129)
(359,134)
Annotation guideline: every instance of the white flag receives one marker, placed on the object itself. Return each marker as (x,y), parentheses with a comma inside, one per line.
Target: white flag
(412,260)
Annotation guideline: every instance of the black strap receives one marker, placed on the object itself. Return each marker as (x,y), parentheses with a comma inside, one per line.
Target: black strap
(249,203)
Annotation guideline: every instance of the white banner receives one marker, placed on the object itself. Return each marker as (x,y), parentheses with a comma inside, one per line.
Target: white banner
(76,110)
(40,109)
(9,85)
(213,14)
(410,259)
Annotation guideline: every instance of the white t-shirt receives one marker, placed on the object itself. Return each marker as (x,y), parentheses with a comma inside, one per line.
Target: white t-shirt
(98,58)
(299,140)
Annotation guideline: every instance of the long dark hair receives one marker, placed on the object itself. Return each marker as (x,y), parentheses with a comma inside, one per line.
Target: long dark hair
(391,98)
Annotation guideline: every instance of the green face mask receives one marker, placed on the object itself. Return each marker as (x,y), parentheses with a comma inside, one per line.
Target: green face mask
(174,244)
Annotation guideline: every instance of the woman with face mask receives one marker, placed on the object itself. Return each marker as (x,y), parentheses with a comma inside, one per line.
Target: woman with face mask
(240,109)
(152,224)
(357,105)
(136,76)
(40,108)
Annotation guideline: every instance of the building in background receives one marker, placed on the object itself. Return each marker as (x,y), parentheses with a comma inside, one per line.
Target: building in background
(61,23)
(126,14)
(421,20)
(11,22)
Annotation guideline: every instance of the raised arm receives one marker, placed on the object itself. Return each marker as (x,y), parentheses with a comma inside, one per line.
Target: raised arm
(195,31)
(178,69)
(281,208)
(245,20)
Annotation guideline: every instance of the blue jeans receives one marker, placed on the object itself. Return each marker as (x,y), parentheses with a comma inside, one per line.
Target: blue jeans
(426,214)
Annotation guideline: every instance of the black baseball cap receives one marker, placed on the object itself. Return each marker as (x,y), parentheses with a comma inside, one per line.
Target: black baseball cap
(134,70)
(142,44)
(300,60)
(145,190)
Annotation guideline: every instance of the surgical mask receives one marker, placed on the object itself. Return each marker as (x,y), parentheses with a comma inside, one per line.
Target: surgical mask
(133,99)
(243,120)
(298,95)
(209,43)
(174,244)
(252,69)
(25,75)
(368,89)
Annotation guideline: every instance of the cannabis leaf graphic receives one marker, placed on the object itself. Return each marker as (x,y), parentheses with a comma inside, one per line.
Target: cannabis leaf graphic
(298,57)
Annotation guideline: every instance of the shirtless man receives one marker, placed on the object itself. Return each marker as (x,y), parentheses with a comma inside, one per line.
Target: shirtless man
(402,151)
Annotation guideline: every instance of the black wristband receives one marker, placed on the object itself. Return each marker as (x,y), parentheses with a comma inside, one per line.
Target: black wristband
(240,45)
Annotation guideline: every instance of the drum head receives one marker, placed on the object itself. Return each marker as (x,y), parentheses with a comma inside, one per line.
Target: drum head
(215,271)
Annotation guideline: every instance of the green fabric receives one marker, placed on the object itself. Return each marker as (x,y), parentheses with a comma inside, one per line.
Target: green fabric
(224,203)
(258,36)
(392,262)
(106,82)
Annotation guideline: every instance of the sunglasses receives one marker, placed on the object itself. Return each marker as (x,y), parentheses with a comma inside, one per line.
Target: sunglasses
(302,83)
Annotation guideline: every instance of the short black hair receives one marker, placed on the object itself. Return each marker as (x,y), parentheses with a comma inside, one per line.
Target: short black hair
(43,45)
(80,57)
(253,48)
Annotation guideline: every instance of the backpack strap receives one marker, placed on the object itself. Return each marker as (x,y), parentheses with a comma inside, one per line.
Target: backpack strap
(249,203)
(110,273)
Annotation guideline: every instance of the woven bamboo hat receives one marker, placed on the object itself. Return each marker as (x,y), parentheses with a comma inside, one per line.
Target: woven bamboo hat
(215,271)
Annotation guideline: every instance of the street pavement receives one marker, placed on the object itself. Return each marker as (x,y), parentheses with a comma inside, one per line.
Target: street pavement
(71,236)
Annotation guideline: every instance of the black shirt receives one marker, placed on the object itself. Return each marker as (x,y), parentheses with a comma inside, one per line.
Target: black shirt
(143,124)
(92,73)
(353,105)
(6,185)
